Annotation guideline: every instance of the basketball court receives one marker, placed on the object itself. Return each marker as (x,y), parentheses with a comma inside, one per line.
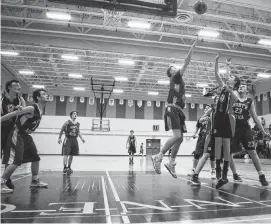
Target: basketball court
(107,60)
(135,194)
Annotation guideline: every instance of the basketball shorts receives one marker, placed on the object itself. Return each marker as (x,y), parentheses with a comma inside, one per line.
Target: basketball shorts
(70,147)
(199,147)
(209,146)
(174,119)
(224,125)
(131,150)
(20,148)
(244,136)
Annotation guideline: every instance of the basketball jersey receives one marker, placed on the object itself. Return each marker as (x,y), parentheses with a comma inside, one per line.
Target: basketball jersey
(203,126)
(223,102)
(8,106)
(241,112)
(132,140)
(72,130)
(176,93)
(29,124)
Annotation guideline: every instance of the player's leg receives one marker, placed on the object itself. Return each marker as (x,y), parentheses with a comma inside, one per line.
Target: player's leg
(248,144)
(235,147)
(196,156)
(74,152)
(218,147)
(31,155)
(66,150)
(174,151)
(172,122)
(13,156)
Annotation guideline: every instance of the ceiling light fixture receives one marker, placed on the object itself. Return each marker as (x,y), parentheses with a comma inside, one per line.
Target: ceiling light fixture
(264,75)
(9,53)
(202,85)
(126,62)
(70,57)
(153,93)
(117,90)
(79,88)
(139,24)
(58,15)
(266,42)
(26,72)
(121,78)
(74,75)
(163,82)
(38,86)
(208,33)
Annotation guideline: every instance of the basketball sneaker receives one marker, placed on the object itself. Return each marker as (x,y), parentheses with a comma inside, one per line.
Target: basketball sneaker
(218,173)
(195,180)
(171,169)
(5,189)
(213,174)
(221,182)
(237,178)
(65,170)
(156,161)
(191,173)
(10,184)
(38,183)
(263,180)
(69,170)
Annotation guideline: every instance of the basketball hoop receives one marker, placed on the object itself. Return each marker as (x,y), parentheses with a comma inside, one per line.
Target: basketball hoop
(112,17)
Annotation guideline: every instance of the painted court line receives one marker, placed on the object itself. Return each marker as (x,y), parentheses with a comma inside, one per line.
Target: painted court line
(22,177)
(257,202)
(106,204)
(125,218)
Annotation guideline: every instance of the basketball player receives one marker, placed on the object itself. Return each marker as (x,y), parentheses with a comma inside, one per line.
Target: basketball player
(10,102)
(243,108)
(202,125)
(141,149)
(70,146)
(224,125)
(131,146)
(20,147)
(174,116)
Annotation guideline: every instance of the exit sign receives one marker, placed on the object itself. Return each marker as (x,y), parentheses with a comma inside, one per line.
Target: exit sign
(155,128)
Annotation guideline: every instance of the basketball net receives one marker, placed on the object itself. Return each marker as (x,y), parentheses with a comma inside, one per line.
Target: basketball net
(112,18)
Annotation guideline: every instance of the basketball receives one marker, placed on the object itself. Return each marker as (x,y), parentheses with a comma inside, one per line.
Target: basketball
(200,7)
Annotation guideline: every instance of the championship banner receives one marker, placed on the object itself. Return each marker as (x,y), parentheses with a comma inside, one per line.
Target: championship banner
(111,102)
(71,99)
(61,98)
(91,101)
(192,105)
(121,102)
(157,103)
(130,103)
(148,103)
(201,106)
(139,103)
(51,98)
(29,98)
(82,99)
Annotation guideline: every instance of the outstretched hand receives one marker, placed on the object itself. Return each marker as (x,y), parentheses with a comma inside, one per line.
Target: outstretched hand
(59,141)
(266,134)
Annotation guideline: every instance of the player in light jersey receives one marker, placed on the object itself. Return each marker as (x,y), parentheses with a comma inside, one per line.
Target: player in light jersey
(174,116)
(131,146)
(243,108)
(20,147)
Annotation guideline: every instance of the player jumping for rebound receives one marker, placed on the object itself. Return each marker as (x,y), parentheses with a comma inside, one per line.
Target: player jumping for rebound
(243,108)
(174,116)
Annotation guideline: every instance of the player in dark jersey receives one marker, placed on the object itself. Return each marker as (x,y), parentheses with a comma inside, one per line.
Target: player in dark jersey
(70,146)
(243,108)
(141,150)
(131,146)
(202,127)
(224,125)
(174,116)
(10,101)
(20,147)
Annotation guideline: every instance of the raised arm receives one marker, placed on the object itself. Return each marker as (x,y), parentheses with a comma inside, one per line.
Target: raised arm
(26,110)
(218,77)
(257,120)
